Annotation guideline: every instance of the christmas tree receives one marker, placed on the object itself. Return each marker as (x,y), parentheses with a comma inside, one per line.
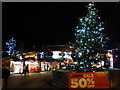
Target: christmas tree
(11,47)
(90,38)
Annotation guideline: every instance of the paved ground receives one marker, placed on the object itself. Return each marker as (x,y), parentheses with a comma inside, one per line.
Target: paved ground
(35,81)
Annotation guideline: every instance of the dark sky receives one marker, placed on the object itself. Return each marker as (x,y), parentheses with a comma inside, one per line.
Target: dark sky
(52,23)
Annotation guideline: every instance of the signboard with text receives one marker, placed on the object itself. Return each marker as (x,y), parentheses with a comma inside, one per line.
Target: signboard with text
(88,80)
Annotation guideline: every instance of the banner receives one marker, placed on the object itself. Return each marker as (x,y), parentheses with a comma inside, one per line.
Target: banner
(88,80)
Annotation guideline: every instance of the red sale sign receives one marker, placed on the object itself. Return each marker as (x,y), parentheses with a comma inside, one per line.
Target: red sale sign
(92,80)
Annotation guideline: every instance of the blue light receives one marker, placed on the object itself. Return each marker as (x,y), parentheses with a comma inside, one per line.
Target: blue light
(11,45)
(67,55)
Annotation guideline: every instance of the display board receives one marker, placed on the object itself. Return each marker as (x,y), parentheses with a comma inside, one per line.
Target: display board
(91,80)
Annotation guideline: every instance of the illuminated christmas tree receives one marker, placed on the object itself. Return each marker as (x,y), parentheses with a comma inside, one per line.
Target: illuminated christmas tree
(11,47)
(90,38)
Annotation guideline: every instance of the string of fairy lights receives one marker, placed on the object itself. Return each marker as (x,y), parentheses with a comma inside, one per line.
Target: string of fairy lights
(89,35)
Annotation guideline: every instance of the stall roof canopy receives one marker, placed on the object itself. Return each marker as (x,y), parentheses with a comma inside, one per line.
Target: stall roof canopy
(7,60)
(30,58)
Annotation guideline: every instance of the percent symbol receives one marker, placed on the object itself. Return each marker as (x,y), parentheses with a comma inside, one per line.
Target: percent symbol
(90,81)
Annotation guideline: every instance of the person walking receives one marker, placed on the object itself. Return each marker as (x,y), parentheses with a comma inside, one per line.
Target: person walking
(47,67)
(5,76)
(24,70)
(27,70)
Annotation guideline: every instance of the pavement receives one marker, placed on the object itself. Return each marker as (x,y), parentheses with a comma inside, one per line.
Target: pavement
(31,80)
(39,80)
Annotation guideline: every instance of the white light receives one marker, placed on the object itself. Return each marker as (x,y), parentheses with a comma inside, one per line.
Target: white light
(82,30)
(81,19)
(75,62)
(92,39)
(56,54)
(86,19)
(111,59)
(21,57)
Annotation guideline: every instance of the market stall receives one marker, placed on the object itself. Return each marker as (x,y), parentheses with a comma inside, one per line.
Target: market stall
(45,66)
(33,65)
(15,65)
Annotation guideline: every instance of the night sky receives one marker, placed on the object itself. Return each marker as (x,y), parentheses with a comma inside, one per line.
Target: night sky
(41,23)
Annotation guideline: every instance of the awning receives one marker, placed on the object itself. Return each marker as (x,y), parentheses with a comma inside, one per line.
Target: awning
(30,58)
(7,60)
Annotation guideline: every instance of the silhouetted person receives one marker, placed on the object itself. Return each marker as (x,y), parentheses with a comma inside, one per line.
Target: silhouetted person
(5,76)
(24,70)
(47,67)
(44,67)
(27,70)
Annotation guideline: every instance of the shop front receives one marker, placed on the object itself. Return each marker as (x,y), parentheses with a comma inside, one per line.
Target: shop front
(33,65)
(45,66)
(16,66)
(55,65)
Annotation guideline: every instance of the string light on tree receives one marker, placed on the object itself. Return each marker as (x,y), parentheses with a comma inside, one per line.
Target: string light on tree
(11,47)
(88,33)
